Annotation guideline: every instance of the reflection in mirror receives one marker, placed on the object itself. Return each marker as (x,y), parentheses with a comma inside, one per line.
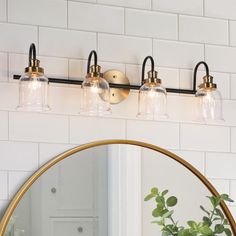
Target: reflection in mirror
(100,191)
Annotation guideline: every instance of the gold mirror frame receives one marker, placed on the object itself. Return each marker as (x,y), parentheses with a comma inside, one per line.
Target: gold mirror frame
(14,202)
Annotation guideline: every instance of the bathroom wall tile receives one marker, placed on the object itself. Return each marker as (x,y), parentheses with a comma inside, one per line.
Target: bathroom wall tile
(77,69)
(49,151)
(53,67)
(154,132)
(203,137)
(220,9)
(3,125)
(3,10)
(145,4)
(229,112)
(206,30)
(8,90)
(66,43)
(233,191)
(233,86)
(16,180)
(221,165)
(3,206)
(94,128)
(169,76)
(233,139)
(232,29)
(192,7)
(127,50)
(37,127)
(3,67)
(177,54)
(89,17)
(3,184)
(18,156)
(197,159)
(12,37)
(138,23)
(49,13)
(91,1)
(221,185)
(221,58)
(221,79)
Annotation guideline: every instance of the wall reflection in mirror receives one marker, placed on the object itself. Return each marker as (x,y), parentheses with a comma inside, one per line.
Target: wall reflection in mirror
(100,191)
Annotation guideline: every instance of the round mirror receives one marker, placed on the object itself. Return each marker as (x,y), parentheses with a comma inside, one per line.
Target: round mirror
(115,188)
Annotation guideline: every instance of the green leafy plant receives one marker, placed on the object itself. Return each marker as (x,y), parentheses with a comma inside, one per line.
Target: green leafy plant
(213,222)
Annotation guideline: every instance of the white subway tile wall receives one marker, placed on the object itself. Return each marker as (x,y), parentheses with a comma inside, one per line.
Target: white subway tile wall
(177,33)
(192,7)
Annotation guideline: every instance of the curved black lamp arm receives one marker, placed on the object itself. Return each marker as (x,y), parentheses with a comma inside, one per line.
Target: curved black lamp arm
(195,72)
(32,54)
(144,64)
(92,53)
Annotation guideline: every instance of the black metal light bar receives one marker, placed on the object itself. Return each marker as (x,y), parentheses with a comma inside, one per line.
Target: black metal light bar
(32,55)
(133,87)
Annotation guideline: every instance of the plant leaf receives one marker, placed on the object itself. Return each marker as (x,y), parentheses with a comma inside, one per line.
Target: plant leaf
(154,190)
(228,232)
(149,196)
(164,192)
(171,201)
(208,213)
(219,229)
(167,214)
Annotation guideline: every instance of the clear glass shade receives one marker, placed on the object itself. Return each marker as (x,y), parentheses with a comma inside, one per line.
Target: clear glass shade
(152,102)
(95,97)
(33,92)
(209,105)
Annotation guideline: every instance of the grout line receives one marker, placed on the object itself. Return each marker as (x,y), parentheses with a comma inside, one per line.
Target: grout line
(69,125)
(38,154)
(8,67)
(67,17)
(38,37)
(124,21)
(7,9)
(230,84)
(204,51)
(203,8)
(204,171)
(180,146)
(229,41)
(97,43)
(178,27)
(8,126)
(8,185)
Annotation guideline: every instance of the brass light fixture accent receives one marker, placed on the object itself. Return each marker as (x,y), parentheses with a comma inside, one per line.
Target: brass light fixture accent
(209,97)
(33,86)
(117,95)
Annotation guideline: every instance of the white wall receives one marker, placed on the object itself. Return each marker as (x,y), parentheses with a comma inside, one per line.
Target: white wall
(177,33)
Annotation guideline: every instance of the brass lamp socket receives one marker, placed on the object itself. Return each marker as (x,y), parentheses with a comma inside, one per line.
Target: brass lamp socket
(152,78)
(34,67)
(208,83)
(94,71)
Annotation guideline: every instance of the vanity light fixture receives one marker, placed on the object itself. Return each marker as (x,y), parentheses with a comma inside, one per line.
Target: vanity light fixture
(95,98)
(209,97)
(152,96)
(33,86)
(100,90)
